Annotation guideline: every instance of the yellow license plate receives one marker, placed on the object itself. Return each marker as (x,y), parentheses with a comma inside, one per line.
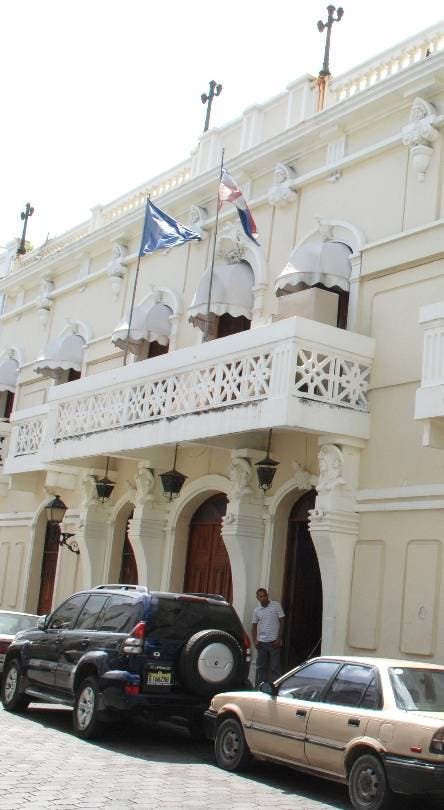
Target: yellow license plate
(159,677)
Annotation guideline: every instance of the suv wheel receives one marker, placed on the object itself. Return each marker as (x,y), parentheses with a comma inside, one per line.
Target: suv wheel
(12,699)
(230,746)
(211,662)
(368,787)
(86,710)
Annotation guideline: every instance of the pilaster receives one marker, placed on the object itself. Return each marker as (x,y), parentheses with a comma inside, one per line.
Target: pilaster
(334,527)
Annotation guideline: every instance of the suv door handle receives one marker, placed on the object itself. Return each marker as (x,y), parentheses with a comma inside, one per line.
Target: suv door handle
(354,721)
(301,713)
(84,642)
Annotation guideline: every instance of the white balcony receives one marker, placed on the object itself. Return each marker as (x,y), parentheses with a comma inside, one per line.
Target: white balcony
(429,405)
(295,374)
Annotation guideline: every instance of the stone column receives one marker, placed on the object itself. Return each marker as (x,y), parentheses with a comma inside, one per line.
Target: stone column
(334,527)
(146,529)
(243,533)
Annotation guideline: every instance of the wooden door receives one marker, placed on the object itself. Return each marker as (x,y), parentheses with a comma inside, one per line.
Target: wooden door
(208,568)
(128,568)
(49,568)
(302,599)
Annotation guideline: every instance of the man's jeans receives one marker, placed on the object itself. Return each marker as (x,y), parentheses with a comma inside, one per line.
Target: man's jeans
(268,662)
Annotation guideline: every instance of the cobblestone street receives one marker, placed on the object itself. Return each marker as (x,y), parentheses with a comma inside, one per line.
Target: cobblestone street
(43,765)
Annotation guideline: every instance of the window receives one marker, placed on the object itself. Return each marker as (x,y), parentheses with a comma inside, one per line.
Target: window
(349,686)
(309,682)
(119,615)
(65,616)
(90,612)
(372,697)
(228,325)
(418,689)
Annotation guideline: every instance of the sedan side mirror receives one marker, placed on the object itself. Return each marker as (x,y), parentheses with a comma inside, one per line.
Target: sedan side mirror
(42,622)
(268,688)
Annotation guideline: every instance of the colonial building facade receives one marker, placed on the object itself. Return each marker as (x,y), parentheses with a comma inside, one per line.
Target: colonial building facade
(329,334)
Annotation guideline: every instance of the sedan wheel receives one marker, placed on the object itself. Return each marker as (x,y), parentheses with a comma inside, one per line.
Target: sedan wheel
(12,700)
(368,786)
(86,709)
(231,749)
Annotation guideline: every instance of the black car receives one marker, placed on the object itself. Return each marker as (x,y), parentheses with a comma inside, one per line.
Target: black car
(121,650)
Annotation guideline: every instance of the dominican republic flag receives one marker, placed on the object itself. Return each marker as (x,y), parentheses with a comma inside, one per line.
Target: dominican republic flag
(161,231)
(229,191)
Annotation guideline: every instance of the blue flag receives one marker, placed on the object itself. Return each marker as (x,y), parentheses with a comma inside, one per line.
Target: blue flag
(161,231)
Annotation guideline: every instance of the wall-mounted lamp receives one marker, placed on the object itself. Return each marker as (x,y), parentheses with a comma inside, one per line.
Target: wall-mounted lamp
(55,512)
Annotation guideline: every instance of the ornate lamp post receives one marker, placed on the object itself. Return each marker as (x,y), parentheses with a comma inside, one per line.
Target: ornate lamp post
(266,469)
(55,512)
(324,74)
(172,481)
(28,212)
(215,90)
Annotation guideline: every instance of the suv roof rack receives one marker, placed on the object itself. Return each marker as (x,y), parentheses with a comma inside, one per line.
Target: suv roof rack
(217,596)
(118,586)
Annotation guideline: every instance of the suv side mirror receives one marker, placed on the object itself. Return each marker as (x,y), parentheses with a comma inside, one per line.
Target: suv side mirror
(268,688)
(42,622)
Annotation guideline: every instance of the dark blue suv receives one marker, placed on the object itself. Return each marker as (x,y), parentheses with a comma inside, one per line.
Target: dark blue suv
(120,650)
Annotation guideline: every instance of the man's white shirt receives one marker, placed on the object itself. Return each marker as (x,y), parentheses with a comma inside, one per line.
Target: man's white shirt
(267,620)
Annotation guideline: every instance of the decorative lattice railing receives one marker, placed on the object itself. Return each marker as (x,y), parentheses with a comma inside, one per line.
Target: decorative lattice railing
(28,437)
(228,383)
(279,367)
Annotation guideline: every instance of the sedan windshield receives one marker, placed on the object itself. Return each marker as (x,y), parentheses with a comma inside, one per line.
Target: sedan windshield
(12,623)
(418,689)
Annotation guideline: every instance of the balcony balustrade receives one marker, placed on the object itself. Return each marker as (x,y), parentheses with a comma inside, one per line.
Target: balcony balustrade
(293,374)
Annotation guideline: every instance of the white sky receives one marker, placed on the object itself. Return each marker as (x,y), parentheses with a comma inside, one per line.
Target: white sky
(99,96)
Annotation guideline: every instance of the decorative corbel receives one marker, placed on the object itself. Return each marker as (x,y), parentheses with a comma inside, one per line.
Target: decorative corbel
(198,219)
(240,473)
(419,134)
(44,300)
(331,462)
(116,268)
(325,228)
(302,478)
(283,191)
(142,491)
(231,247)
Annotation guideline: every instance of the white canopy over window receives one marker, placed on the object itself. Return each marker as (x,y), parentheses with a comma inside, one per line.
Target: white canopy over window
(147,325)
(231,292)
(9,369)
(326,263)
(62,354)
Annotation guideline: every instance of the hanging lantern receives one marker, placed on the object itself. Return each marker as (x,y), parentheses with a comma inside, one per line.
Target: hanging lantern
(55,510)
(104,486)
(266,469)
(172,481)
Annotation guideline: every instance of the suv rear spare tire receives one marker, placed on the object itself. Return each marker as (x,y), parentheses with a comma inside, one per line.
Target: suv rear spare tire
(211,662)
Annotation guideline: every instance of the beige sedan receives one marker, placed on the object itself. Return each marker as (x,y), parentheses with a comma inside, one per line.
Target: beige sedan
(372,723)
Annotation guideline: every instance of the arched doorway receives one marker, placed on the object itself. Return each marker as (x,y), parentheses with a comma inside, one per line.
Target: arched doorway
(128,566)
(49,567)
(208,568)
(302,592)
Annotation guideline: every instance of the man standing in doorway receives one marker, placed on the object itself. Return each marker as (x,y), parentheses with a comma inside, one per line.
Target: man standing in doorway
(267,629)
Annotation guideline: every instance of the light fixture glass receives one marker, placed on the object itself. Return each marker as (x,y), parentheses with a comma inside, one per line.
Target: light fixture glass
(104,486)
(266,469)
(55,510)
(173,480)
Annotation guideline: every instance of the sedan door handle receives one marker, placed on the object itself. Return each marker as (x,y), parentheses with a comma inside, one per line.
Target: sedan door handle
(301,713)
(354,721)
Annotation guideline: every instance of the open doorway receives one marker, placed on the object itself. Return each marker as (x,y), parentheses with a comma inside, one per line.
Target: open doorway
(302,591)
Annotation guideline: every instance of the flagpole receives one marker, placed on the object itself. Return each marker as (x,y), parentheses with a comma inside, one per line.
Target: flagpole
(207,319)
(125,356)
